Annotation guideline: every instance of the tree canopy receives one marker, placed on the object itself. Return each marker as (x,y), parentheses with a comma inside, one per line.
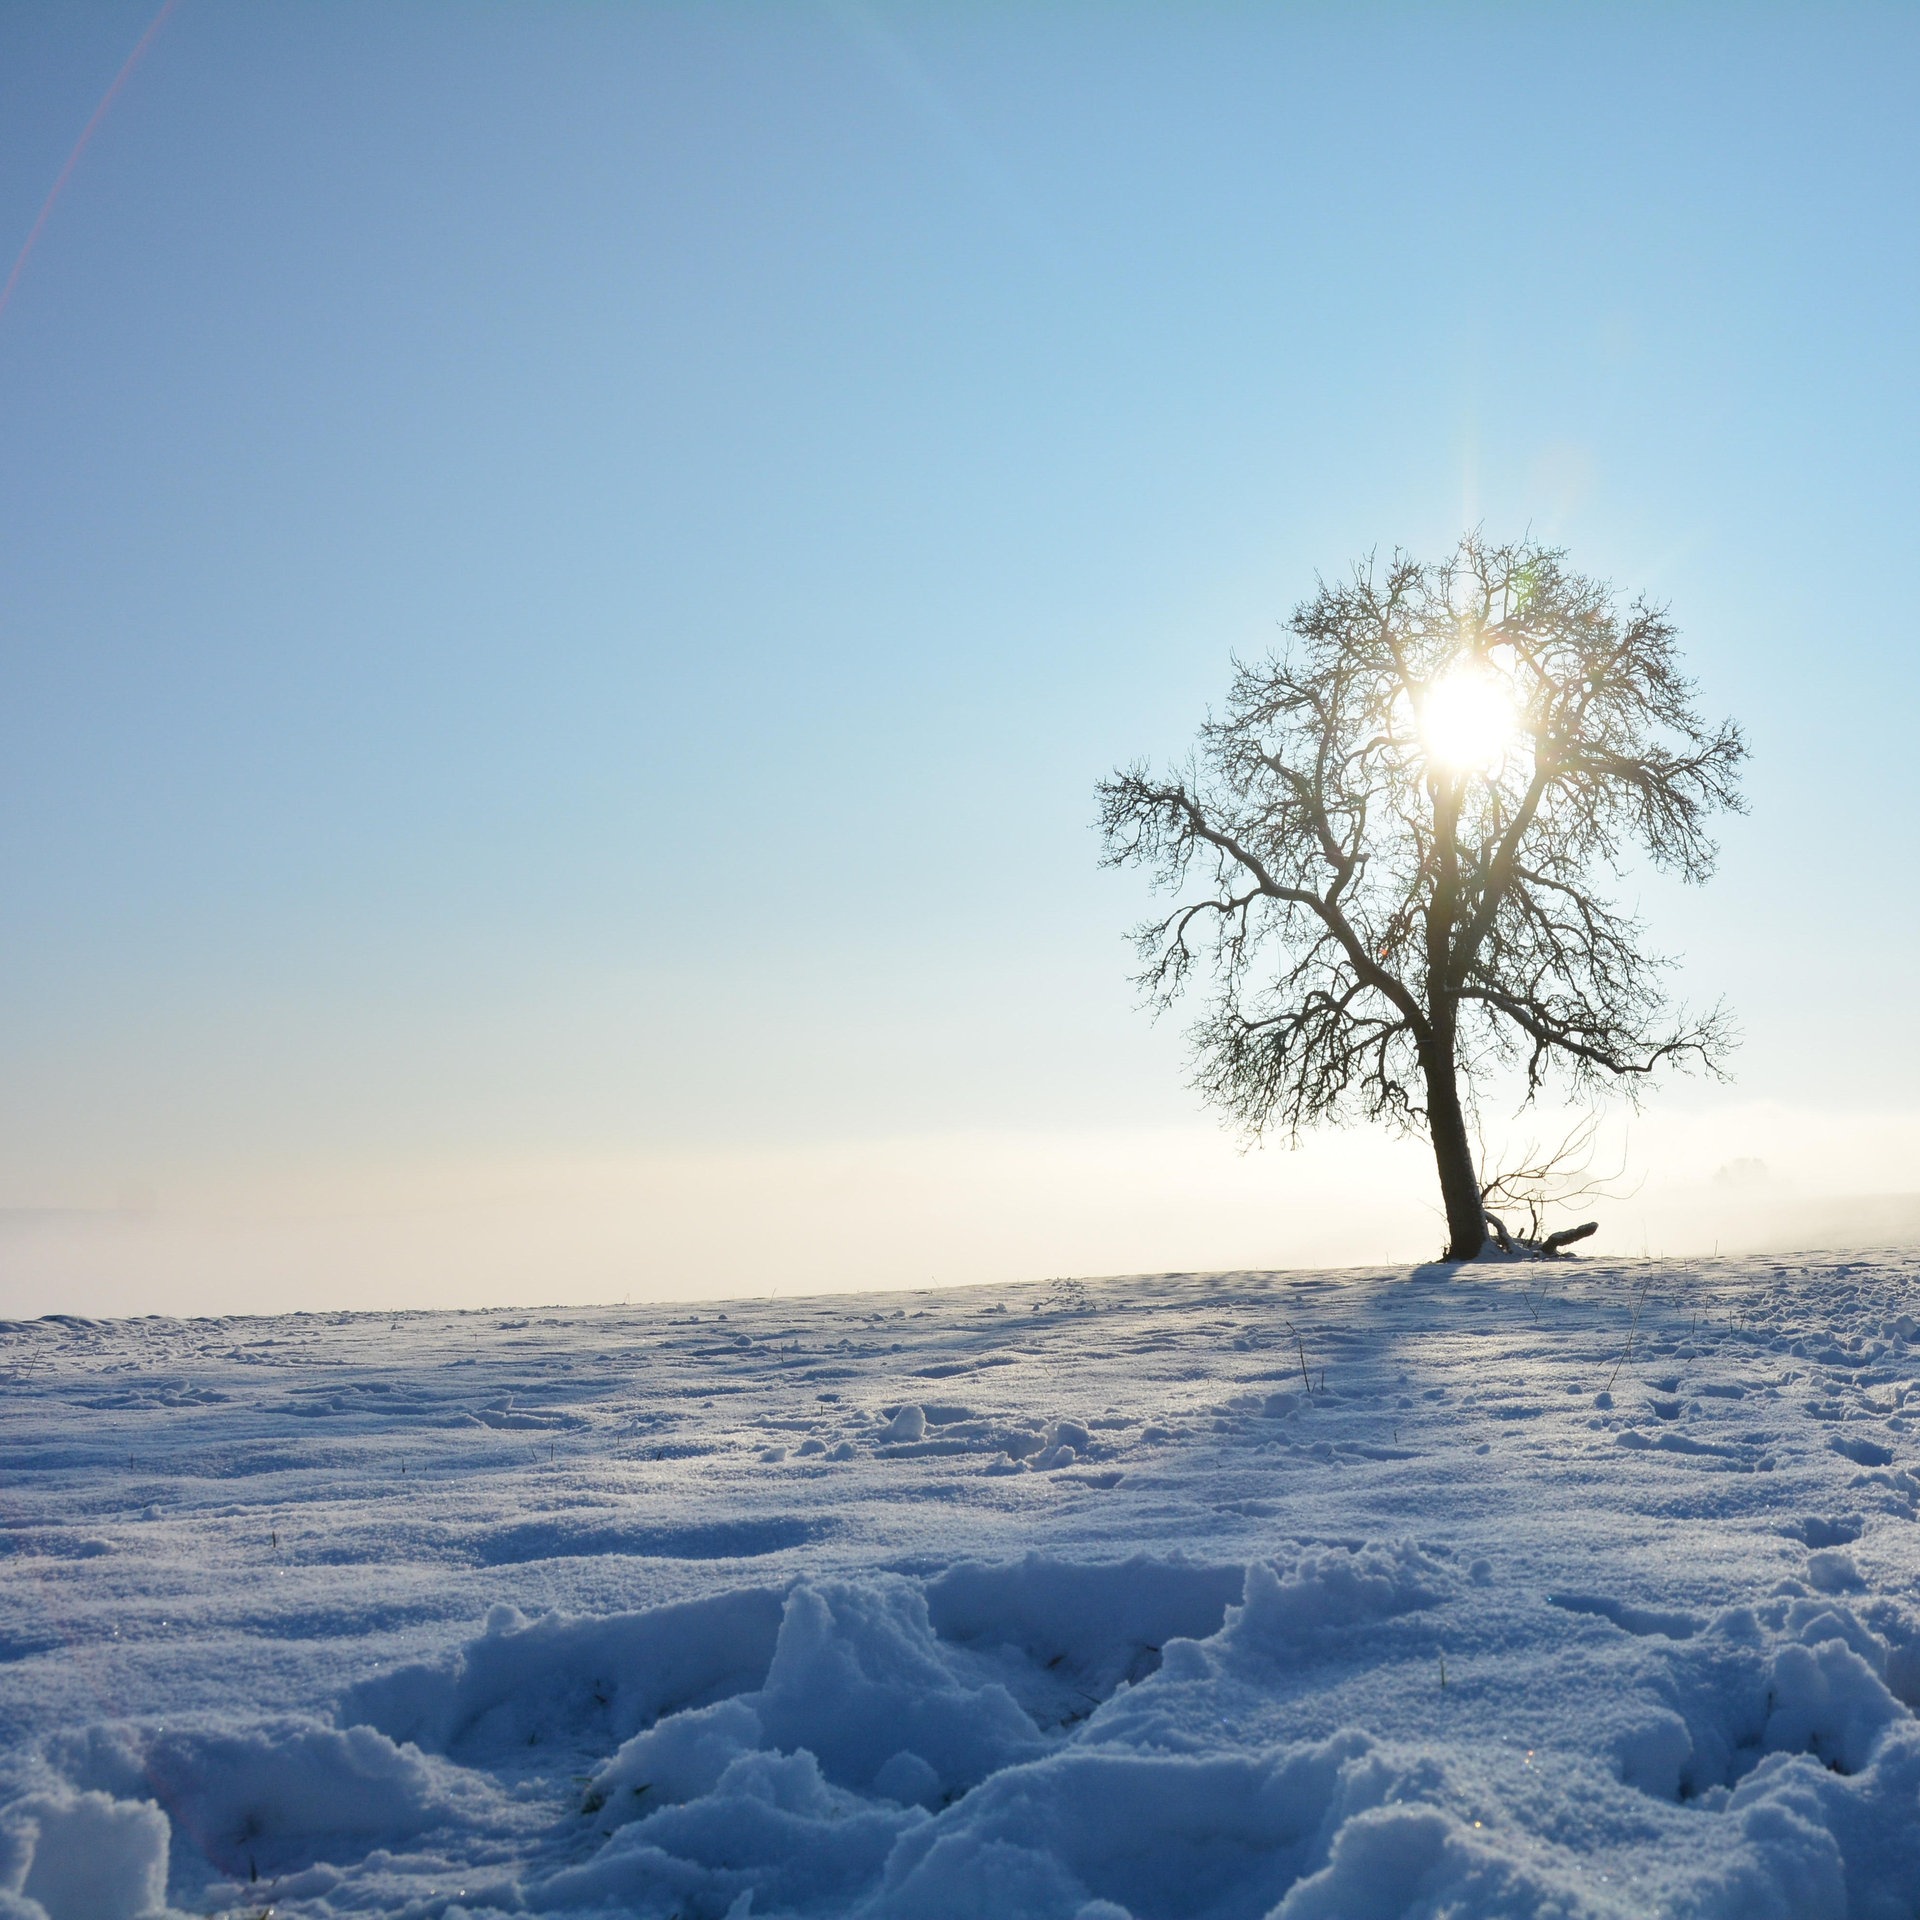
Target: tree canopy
(1389,851)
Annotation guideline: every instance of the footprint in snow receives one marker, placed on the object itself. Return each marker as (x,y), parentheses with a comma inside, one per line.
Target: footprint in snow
(1640,1621)
(1813,1531)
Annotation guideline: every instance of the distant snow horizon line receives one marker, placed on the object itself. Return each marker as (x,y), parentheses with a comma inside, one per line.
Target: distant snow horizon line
(1835,1228)
(1842,1257)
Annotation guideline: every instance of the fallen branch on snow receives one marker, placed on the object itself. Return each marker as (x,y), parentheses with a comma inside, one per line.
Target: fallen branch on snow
(1553,1247)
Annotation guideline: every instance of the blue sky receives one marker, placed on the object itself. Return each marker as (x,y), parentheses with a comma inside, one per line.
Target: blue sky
(566,574)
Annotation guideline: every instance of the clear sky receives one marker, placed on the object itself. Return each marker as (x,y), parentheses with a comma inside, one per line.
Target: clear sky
(567,572)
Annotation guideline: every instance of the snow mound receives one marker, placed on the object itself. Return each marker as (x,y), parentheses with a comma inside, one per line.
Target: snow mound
(1416,1863)
(771,1831)
(82,1856)
(1093,1627)
(910,1423)
(1828,1702)
(1331,1591)
(1145,1834)
(861,1683)
(858,1678)
(563,1677)
(277,1796)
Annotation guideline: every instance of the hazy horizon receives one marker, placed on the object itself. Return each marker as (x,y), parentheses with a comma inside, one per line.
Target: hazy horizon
(907,1214)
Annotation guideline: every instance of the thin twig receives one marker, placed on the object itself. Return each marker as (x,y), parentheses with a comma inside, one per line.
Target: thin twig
(1632,1328)
(1301,1346)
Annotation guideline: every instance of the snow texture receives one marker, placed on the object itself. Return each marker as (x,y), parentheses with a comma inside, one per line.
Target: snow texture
(1372,1596)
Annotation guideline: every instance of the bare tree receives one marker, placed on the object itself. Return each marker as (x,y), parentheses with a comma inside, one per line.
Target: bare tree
(1386,852)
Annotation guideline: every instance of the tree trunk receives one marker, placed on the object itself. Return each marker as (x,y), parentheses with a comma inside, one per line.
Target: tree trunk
(1446,1123)
(1453,1154)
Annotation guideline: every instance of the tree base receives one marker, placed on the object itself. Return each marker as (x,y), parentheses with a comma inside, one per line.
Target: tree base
(1516,1246)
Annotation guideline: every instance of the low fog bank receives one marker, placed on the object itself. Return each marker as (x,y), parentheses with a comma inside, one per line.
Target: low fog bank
(916,1212)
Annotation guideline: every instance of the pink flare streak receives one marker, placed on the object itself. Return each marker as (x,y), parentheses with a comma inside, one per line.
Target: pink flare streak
(80,146)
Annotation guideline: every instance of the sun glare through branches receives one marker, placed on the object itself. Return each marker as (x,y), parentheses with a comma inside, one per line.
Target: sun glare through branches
(1467,718)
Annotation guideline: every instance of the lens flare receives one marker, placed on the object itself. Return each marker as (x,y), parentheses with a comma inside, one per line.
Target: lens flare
(1467,718)
(80,146)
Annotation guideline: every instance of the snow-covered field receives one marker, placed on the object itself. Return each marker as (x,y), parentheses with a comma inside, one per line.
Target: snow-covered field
(1589,1590)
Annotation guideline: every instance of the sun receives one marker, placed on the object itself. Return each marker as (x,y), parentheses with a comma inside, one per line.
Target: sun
(1467,718)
